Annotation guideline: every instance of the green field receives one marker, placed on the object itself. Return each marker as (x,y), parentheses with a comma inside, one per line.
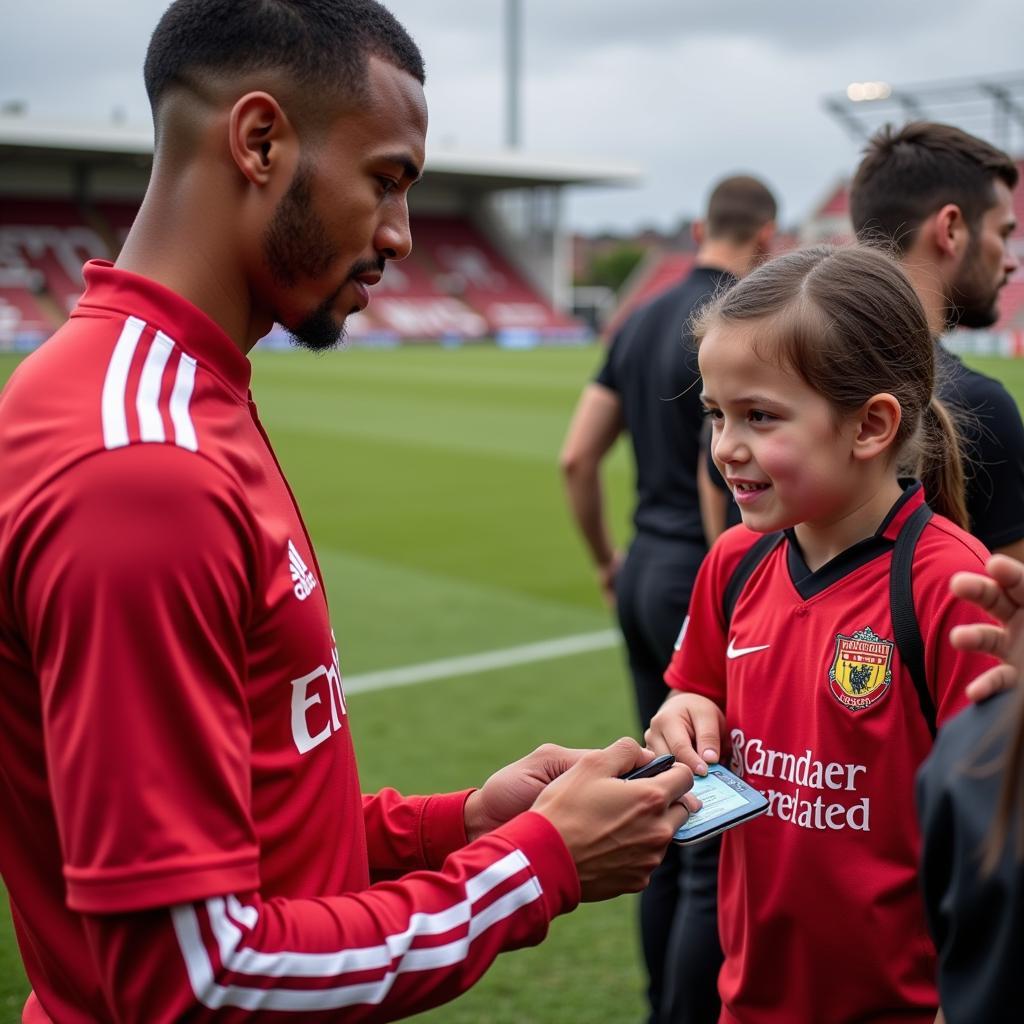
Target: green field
(429,481)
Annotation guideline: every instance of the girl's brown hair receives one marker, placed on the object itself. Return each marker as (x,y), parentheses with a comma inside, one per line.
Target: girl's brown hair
(848,321)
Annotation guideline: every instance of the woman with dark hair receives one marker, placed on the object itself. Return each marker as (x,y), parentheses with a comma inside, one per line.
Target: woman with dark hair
(971,804)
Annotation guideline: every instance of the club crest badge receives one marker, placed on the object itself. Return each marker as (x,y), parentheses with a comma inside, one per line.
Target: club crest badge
(861,671)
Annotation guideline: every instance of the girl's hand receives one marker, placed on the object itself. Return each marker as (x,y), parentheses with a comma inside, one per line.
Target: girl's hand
(690,727)
(1001,594)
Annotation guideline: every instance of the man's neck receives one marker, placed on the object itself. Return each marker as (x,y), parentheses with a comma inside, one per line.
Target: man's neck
(174,244)
(930,290)
(718,255)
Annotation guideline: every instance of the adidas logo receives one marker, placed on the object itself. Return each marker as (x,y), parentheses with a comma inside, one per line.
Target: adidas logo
(303,579)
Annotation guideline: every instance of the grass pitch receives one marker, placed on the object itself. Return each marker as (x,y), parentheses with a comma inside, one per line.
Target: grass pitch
(429,482)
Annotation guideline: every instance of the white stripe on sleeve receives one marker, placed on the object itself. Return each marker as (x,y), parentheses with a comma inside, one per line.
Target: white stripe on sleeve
(396,948)
(184,382)
(147,401)
(115,383)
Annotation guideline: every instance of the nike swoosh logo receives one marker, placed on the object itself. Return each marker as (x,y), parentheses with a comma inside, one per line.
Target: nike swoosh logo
(738,652)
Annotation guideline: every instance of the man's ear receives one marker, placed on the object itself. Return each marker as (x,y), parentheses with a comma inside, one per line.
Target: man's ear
(764,238)
(261,138)
(949,231)
(877,425)
(698,231)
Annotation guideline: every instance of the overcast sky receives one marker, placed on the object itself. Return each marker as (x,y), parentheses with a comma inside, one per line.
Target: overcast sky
(688,90)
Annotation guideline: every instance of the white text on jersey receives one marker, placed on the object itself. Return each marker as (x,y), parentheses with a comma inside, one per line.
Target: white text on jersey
(303,579)
(803,772)
(308,692)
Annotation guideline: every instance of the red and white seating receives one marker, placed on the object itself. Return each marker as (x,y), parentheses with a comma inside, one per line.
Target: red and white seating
(455,284)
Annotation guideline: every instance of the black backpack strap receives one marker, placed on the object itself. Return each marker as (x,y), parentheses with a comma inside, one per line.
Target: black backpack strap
(752,558)
(904,617)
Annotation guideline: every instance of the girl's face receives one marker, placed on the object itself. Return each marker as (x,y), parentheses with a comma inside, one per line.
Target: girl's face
(775,440)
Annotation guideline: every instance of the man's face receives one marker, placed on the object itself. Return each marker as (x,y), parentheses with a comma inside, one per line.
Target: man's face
(345,212)
(987,264)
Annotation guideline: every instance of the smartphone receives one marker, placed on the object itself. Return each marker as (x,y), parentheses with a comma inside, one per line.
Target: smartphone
(653,767)
(727,800)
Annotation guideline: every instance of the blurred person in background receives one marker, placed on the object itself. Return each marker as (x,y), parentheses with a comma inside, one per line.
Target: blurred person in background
(649,387)
(943,201)
(184,835)
(970,796)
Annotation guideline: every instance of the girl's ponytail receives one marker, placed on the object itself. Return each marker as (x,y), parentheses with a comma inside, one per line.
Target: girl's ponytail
(941,465)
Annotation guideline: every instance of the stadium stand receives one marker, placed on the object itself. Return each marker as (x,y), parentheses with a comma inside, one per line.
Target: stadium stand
(468,266)
(23,322)
(117,217)
(411,302)
(456,283)
(52,238)
(69,193)
(829,224)
(463,281)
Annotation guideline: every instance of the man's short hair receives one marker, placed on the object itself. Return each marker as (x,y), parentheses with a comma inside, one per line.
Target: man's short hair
(738,208)
(322,45)
(908,174)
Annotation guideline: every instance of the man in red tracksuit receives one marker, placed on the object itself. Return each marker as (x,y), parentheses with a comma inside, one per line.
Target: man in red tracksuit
(184,832)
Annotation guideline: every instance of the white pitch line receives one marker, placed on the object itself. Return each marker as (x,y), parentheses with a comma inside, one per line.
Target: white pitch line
(448,667)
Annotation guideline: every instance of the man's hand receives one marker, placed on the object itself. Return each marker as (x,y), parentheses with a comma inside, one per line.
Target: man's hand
(1001,594)
(607,574)
(617,831)
(690,727)
(513,789)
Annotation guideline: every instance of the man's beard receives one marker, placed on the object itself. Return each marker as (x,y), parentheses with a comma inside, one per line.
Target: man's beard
(296,245)
(972,302)
(320,330)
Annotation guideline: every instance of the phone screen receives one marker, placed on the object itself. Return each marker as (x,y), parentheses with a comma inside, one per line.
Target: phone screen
(727,800)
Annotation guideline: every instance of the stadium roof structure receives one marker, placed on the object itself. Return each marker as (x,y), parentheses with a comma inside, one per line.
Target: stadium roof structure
(990,106)
(494,170)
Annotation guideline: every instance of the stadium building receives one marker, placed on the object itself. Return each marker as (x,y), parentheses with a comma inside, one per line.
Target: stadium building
(490,260)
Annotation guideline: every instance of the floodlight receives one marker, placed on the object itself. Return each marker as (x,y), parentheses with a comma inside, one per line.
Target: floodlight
(860,91)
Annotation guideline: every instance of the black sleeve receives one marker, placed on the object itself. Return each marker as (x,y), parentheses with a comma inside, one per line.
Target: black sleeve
(935,812)
(994,448)
(608,375)
(975,918)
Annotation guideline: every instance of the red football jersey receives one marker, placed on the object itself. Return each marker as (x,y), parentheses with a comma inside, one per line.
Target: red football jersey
(173,723)
(819,909)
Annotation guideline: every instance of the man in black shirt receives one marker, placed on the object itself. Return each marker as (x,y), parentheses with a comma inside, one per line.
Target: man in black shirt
(649,386)
(942,199)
